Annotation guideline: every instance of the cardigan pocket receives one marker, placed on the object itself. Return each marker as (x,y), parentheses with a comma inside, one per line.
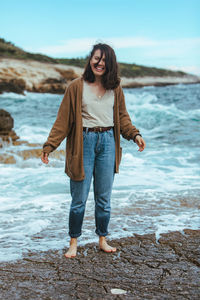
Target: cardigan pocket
(120,154)
(73,160)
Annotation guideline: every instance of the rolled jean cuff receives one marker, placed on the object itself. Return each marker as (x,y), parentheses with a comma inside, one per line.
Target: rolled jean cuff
(100,233)
(74,235)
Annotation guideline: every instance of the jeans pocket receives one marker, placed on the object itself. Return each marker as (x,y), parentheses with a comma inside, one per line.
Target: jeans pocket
(110,132)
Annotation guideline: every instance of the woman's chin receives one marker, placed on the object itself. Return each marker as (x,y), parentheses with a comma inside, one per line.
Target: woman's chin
(98,74)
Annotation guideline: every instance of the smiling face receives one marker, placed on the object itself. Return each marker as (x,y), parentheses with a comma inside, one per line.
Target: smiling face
(98,65)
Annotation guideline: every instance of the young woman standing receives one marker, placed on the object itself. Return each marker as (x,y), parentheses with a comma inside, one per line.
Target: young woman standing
(92,116)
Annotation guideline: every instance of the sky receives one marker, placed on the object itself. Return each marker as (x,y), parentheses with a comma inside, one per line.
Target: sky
(159,33)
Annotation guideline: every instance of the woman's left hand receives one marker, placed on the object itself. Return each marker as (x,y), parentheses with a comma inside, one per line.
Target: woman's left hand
(140,142)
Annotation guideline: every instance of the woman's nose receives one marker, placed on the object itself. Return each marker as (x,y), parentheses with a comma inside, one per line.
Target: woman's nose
(101,62)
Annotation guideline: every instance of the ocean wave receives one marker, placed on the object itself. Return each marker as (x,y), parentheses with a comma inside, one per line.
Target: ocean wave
(149,115)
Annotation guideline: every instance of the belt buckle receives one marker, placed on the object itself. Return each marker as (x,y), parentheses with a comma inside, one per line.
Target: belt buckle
(97,129)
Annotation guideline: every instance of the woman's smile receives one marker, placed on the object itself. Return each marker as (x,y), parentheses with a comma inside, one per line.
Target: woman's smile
(99,68)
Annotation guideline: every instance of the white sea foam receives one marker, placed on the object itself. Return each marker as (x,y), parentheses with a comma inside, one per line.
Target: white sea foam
(171,222)
(32,134)
(36,226)
(12,96)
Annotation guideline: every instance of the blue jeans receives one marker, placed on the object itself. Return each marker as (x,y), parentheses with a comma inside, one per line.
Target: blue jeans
(99,162)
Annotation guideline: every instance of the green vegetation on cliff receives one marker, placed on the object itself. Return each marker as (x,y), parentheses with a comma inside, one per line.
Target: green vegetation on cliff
(133,70)
(9,50)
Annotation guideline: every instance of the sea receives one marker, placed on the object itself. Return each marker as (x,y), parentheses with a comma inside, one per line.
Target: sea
(156,191)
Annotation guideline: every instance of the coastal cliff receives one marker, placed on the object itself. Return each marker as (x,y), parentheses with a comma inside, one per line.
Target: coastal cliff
(18,76)
(22,71)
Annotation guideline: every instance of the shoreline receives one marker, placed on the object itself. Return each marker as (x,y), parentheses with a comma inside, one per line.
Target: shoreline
(19,76)
(142,268)
(140,82)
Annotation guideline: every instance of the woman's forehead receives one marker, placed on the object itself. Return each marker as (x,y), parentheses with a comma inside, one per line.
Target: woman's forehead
(98,53)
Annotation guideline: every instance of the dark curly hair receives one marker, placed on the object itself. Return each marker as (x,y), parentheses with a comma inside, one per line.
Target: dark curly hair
(110,79)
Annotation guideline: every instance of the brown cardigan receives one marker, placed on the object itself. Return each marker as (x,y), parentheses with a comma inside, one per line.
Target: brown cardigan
(69,124)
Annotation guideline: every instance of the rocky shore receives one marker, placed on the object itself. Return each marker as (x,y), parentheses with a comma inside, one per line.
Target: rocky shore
(18,76)
(8,137)
(142,268)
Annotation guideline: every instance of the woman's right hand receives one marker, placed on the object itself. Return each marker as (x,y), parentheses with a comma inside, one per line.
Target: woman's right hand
(44,158)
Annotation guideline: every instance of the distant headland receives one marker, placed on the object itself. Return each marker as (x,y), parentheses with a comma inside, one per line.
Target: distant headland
(23,71)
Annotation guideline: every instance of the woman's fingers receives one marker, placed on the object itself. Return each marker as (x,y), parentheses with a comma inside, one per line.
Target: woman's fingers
(44,158)
(141,143)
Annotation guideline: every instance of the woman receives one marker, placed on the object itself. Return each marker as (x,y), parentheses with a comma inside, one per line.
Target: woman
(92,115)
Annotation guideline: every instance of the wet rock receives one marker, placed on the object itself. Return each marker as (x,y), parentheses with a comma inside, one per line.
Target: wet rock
(7,159)
(8,136)
(140,269)
(13,135)
(6,121)
(31,153)
(51,85)
(13,85)
(21,142)
(53,88)
(6,125)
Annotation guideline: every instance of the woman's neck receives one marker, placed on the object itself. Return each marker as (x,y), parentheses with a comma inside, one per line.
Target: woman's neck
(97,80)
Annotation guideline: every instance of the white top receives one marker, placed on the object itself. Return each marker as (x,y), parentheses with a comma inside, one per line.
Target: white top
(97,111)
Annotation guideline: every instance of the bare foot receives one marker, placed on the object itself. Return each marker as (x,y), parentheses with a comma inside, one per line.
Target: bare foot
(104,245)
(72,249)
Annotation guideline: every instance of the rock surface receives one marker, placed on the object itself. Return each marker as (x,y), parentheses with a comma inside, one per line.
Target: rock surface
(26,75)
(140,269)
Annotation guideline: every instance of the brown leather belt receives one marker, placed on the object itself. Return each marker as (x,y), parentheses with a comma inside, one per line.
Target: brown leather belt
(97,129)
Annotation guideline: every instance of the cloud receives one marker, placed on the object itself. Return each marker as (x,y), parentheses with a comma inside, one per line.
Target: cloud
(131,42)
(85,44)
(175,48)
(69,46)
(81,45)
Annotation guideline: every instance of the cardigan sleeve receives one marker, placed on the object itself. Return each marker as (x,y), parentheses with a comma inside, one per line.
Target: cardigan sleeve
(62,126)
(127,129)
